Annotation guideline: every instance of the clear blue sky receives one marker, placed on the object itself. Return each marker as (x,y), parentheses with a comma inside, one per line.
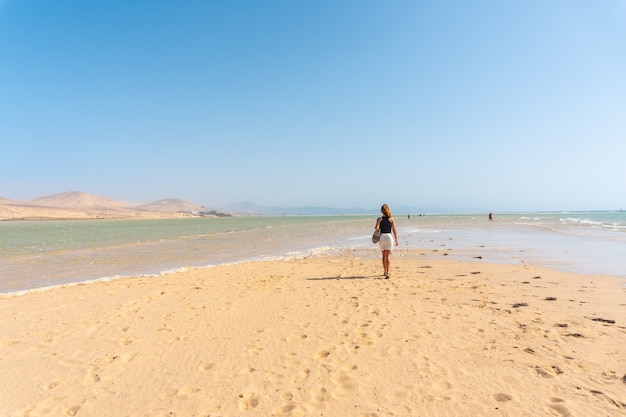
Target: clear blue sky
(498,105)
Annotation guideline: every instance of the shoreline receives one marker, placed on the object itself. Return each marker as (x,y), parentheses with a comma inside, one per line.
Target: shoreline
(321,335)
(193,246)
(463,256)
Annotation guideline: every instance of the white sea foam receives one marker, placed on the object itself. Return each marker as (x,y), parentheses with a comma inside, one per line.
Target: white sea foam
(20,293)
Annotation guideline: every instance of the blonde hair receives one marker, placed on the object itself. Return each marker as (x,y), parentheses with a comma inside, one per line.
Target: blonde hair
(385,210)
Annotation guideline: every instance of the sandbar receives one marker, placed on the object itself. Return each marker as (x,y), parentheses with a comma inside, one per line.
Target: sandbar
(320,336)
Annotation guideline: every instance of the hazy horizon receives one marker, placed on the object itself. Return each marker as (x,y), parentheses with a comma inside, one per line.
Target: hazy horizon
(251,205)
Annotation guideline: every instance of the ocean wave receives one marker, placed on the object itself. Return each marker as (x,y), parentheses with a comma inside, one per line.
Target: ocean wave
(421,231)
(580,221)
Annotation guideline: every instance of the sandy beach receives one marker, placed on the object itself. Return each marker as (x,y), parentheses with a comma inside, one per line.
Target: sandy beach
(322,336)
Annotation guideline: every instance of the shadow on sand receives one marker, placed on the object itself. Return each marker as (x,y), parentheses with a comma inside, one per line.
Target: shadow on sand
(350,277)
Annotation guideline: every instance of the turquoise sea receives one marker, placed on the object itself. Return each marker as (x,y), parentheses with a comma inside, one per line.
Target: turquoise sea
(37,254)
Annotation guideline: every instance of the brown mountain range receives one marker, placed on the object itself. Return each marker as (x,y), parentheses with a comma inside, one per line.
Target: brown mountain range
(77,205)
(78,201)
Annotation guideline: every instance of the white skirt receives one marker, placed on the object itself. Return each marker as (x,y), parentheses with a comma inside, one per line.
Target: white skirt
(386,241)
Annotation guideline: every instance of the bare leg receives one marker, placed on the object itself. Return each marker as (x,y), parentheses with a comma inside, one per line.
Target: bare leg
(386,261)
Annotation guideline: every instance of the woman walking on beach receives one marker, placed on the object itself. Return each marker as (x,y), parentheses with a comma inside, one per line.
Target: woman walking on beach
(386,225)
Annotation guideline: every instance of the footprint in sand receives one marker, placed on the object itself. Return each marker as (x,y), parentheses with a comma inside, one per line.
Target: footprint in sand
(560,409)
(206,366)
(50,386)
(345,384)
(287,396)
(124,342)
(291,410)
(254,349)
(323,354)
(72,411)
(164,328)
(501,398)
(362,339)
(180,393)
(247,370)
(542,372)
(303,374)
(321,394)
(248,401)
(296,337)
(91,378)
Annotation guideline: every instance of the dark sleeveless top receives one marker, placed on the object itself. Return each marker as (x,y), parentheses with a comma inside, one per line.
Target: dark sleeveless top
(385,225)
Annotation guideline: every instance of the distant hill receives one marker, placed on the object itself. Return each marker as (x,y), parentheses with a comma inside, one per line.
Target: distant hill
(7,201)
(247,207)
(171,205)
(77,205)
(79,201)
